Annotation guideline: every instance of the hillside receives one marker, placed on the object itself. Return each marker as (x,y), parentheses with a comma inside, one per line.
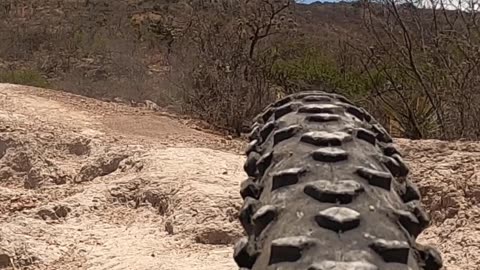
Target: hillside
(88,47)
(91,47)
(87,184)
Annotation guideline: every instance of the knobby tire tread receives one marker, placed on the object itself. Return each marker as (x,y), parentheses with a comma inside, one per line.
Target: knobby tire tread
(327,189)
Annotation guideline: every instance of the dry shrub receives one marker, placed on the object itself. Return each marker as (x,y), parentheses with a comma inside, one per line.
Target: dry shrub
(220,57)
(85,47)
(430,60)
(23,77)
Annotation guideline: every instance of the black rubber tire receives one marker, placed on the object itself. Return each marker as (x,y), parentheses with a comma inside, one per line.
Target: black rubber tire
(327,190)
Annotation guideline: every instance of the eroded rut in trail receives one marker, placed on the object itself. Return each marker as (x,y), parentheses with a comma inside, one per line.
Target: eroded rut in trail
(86,184)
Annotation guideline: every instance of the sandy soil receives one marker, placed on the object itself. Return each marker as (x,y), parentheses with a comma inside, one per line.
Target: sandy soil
(86,184)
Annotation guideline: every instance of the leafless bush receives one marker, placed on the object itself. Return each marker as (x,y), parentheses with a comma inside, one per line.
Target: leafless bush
(219,56)
(430,59)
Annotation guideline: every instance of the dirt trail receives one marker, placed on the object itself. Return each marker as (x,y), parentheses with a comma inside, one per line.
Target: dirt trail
(86,184)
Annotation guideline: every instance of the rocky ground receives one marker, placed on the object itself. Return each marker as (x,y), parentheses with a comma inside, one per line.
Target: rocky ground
(86,184)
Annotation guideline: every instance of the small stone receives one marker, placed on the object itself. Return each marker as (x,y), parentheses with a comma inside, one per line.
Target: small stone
(169,227)
(5,261)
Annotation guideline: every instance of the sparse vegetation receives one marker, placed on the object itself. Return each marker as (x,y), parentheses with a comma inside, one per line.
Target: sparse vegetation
(431,60)
(416,69)
(24,77)
(221,60)
(312,66)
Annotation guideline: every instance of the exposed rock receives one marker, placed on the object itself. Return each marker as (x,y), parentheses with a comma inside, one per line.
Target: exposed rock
(54,213)
(18,160)
(100,167)
(79,146)
(45,174)
(5,260)
(216,236)
(3,148)
(151,105)
(131,164)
